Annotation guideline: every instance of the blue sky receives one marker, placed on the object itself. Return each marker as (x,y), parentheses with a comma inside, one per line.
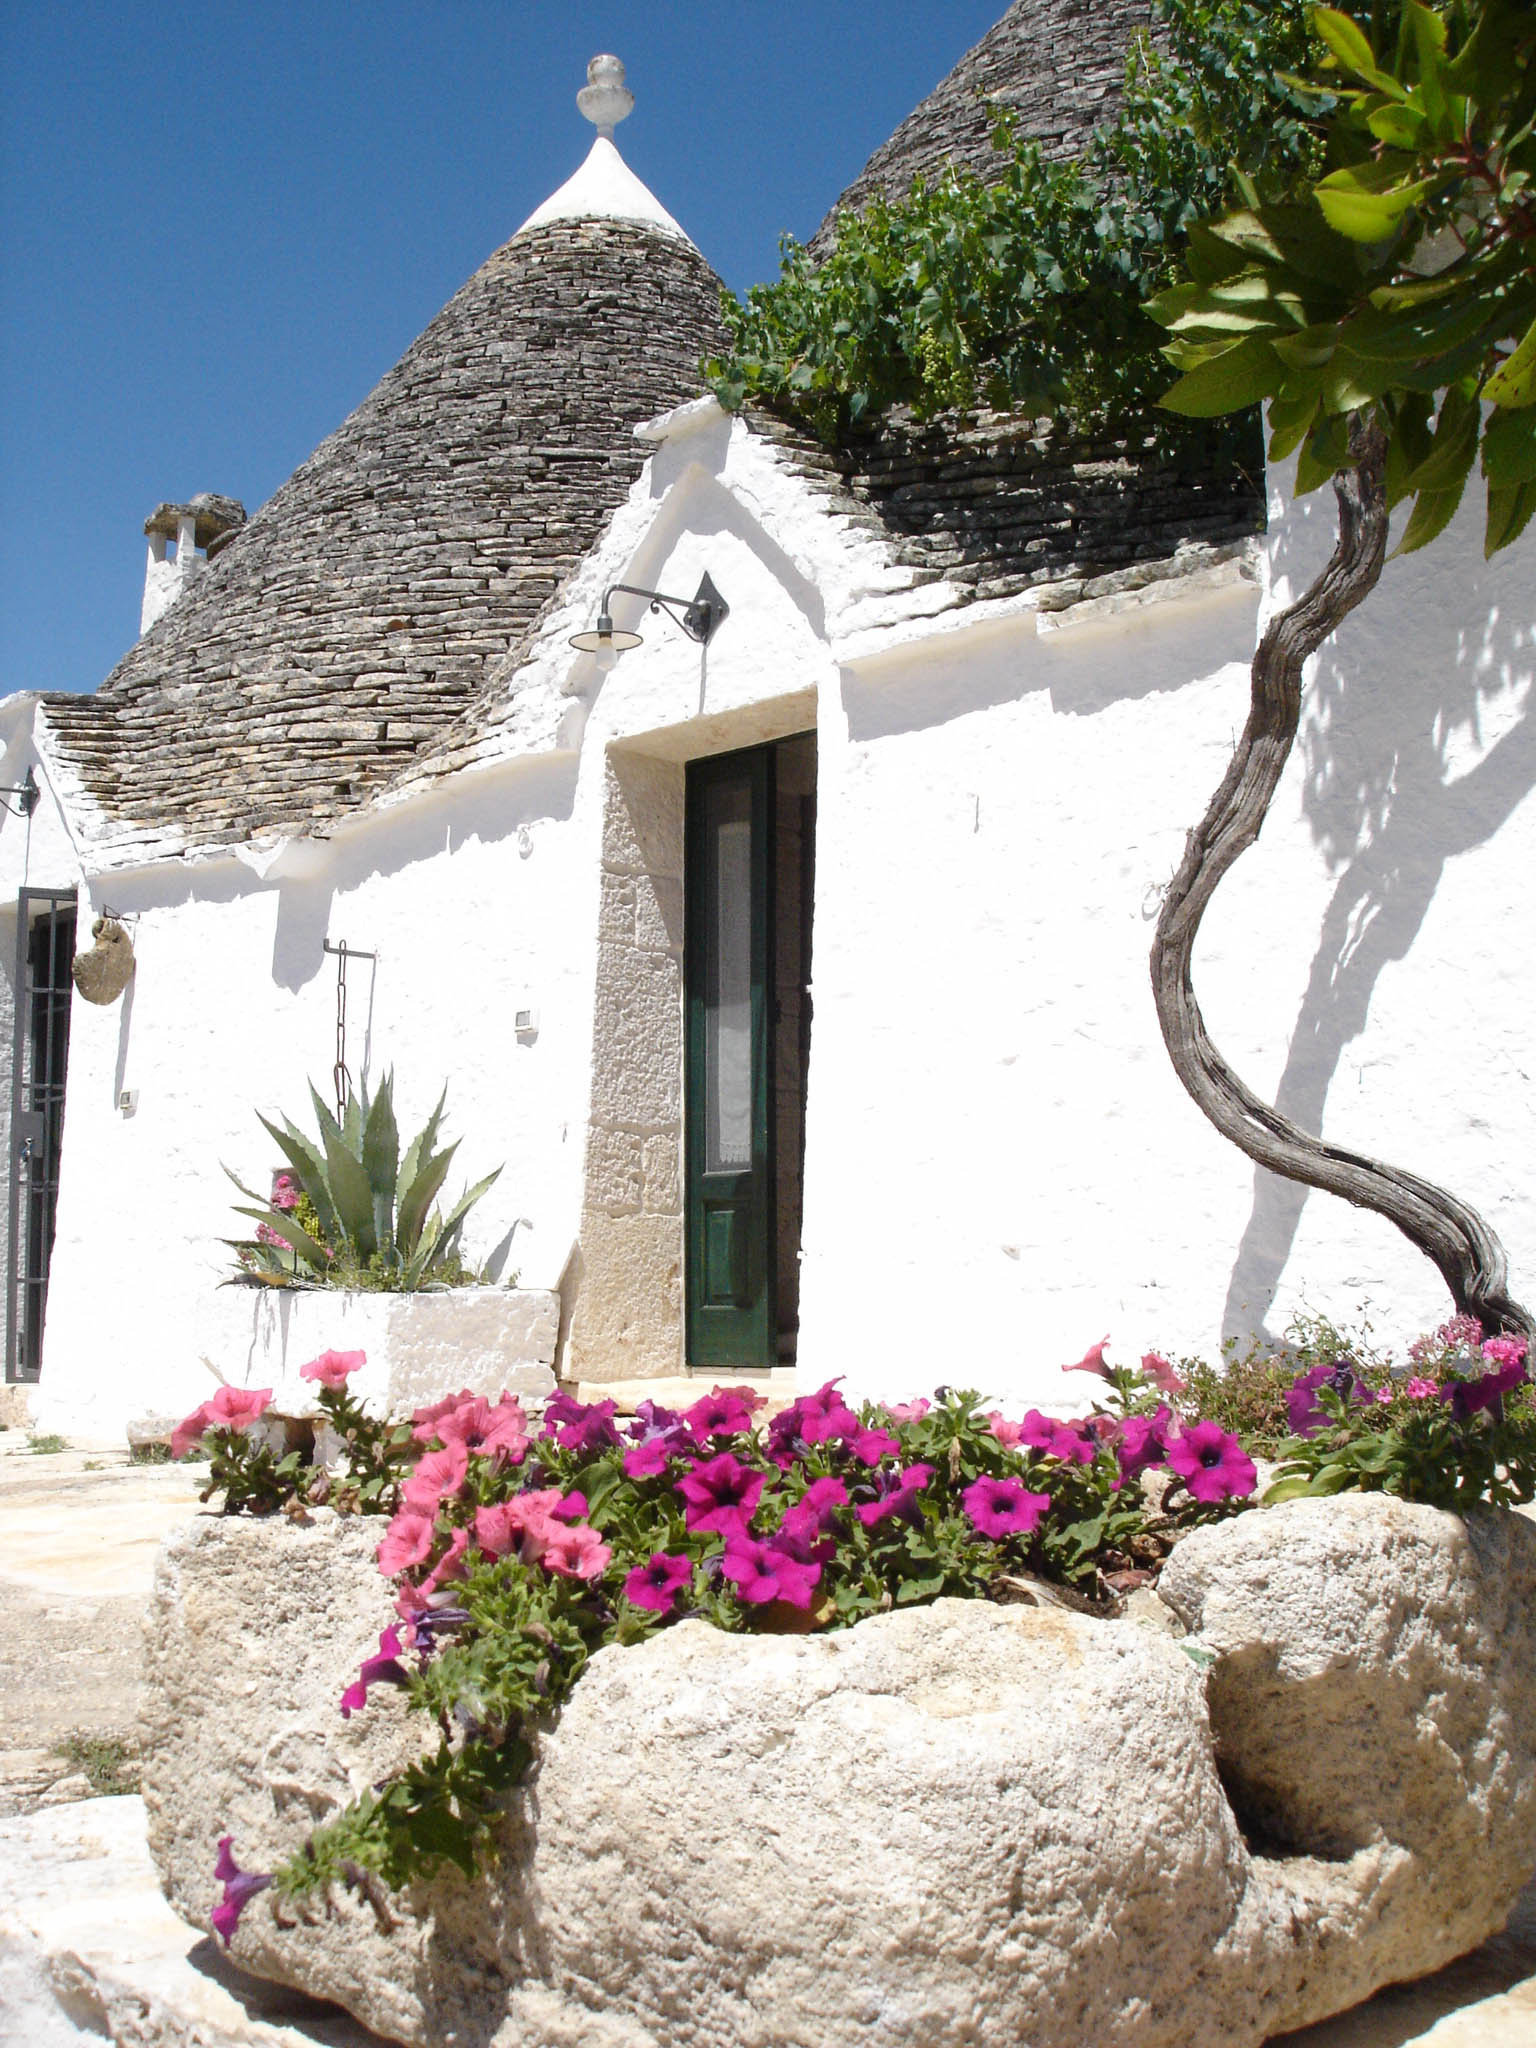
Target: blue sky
(220,225)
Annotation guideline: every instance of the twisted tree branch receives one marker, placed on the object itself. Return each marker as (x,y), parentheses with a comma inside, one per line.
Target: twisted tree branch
(1468,1254)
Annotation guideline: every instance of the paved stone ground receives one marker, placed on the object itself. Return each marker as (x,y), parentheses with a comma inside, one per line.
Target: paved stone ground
(89,1950)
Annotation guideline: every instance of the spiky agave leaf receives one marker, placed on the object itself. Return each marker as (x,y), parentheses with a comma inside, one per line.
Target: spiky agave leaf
(417,1199)
(443,1239)
(381,1163)
(420,1147)
(352,1196)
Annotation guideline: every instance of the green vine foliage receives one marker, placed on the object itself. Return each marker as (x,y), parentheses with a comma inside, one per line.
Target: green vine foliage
(1023,290)
(1401,282)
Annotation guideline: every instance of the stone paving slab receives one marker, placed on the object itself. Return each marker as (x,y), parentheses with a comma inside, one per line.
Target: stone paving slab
(90,1950)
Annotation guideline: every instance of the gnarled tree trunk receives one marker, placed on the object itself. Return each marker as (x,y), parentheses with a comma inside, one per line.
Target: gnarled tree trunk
(1469,1256)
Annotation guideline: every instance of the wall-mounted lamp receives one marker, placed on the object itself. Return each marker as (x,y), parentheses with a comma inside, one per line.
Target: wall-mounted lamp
(29,793)
(698,618)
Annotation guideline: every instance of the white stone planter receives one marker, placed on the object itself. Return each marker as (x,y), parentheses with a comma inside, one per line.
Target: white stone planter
(947,1825)
(420,1346)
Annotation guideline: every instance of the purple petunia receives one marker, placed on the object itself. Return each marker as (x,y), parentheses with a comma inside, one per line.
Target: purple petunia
(240,1887)
(869,1446)
(1305,1413)
(385,1669)
(1002,1507)
(722,1494)
(1211,1462)
(657,1583)
(897,1496)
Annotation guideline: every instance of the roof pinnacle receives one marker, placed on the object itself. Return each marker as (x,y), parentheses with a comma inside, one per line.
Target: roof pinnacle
(605,99)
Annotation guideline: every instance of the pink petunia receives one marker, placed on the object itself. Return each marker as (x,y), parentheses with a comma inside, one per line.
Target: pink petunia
(524,1524)
(1211,1462)
(576,1551)
(1156,1370)
(1009,1434)
(659,1582)
(1092,1360)
(449,1566)
(1002,1507)
(437,1475)
(230,1408)
(332,1367)
(505,1435)
(908,1411)
(426,1419)
(407,1541)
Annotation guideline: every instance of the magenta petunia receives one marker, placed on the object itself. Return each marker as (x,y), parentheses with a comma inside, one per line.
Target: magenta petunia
(869,1446)
(724,1411)
(1003,1507)
(1505,1358)
(819,1417)
(331,1368)
(240,1887)
(1211,1462)
(384,1669)
(1143,1442)
(658,1583)
(762,1572)
(648,1460)
(580,1426)
(1064,1440)
(722,1494)
(897,1496)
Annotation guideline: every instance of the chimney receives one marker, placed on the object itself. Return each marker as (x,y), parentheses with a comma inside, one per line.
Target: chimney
(207,522)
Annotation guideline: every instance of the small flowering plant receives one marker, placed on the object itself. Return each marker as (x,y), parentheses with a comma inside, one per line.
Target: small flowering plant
(1455,1427)
(258,1470)
(519,1547)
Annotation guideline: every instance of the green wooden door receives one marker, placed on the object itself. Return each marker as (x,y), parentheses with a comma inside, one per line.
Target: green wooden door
(728,979)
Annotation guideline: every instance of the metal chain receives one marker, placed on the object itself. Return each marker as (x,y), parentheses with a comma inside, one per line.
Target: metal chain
(341,1079)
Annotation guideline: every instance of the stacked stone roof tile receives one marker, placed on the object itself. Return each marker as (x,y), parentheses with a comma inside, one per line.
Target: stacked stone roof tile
(350,623)
(1058,64)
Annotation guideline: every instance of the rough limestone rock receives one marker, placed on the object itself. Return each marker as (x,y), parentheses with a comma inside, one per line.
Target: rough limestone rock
(954,1825)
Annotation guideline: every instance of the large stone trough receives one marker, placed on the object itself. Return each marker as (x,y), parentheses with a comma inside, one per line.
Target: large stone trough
(958,1825)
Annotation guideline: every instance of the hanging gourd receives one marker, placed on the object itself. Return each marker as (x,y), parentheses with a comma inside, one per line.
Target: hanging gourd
(105,971)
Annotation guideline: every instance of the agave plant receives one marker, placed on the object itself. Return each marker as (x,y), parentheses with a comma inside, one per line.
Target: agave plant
(369,1207)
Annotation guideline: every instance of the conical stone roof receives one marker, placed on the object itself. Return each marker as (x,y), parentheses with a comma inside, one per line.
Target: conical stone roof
(351,621)
(1059,64)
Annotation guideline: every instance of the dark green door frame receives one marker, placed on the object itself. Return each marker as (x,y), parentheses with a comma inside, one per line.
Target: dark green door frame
(728,979)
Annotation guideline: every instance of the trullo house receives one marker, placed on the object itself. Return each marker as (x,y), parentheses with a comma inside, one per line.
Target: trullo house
(791,953)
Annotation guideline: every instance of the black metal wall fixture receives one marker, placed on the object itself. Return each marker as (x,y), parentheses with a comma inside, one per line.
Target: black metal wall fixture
(45,949)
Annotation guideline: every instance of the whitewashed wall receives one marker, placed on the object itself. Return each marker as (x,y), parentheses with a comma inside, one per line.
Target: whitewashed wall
(1000,1167)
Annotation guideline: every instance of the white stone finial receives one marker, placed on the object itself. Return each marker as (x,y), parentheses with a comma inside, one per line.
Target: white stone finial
(605,99)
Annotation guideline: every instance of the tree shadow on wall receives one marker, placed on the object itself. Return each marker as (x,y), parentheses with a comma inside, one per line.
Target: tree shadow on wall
(1389,808)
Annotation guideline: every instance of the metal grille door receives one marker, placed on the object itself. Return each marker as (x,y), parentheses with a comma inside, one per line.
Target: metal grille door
(45,947)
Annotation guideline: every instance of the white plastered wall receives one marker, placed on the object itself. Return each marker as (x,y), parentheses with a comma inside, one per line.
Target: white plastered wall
(1000,1167)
